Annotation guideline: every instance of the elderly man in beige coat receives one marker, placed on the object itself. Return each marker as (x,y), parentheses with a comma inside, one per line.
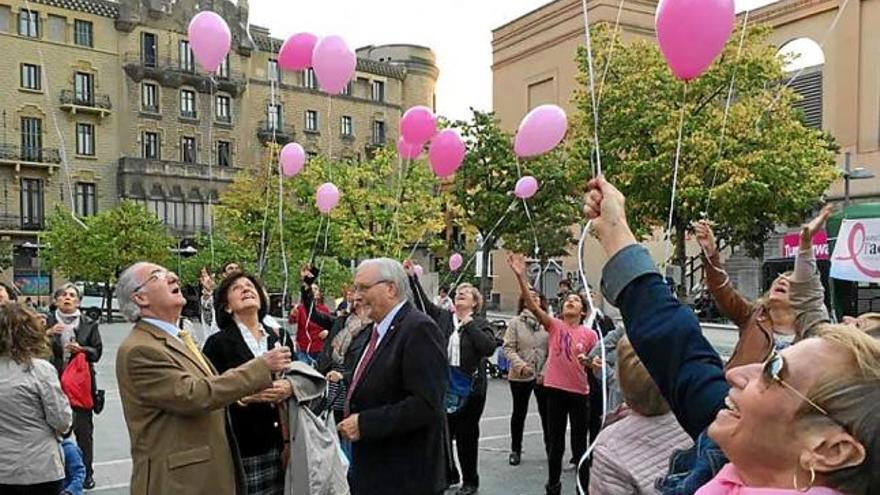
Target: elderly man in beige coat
(174,401)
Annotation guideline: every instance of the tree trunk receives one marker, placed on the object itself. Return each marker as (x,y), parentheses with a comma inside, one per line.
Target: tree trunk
(485,282)
(681,257)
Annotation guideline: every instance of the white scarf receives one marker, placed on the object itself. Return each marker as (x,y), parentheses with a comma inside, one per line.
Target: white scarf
(454,347)
(70,322)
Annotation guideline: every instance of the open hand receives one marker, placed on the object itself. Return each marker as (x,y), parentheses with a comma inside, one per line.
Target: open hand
(517,263)
(815,225)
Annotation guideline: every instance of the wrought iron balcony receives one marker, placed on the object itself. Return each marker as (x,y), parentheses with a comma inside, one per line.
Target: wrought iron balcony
(129,166)
(15,222)
(278,133)
(74,103)
(174,74)
(29,156)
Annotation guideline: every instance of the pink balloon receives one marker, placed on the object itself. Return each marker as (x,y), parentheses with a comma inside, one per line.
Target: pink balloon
(327,197)
(334,64)
(418,124)
(419,270)
(210,39)
(408,150)
(692,33)
(455,262)
(446,153)
(540,131)
(293,158)
(526,187)
(296,52)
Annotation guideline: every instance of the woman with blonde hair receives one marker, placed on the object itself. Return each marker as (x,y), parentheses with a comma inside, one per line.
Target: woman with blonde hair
(34,412)
(469,342)
(802,421)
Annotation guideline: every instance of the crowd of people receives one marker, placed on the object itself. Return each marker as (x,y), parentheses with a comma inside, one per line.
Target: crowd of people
(386,393)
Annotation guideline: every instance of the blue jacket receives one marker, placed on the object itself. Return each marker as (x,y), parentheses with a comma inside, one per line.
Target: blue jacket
(668,339)
(74,469)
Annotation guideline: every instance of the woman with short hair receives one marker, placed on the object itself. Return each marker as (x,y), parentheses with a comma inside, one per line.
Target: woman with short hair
(34,412)
(72,333)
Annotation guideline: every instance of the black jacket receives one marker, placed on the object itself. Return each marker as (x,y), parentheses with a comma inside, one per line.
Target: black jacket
(399,400)
(257,427)
(87,335)
(477,337)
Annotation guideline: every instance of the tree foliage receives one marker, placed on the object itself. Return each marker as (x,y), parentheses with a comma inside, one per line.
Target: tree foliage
(483,189)
(769,170)
(111,240)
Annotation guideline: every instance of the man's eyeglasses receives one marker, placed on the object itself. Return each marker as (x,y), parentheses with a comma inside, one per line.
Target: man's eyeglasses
(773,367)
(365,287)
(155,275)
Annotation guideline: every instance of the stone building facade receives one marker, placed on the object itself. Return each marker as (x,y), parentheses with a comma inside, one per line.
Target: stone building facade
(103,101)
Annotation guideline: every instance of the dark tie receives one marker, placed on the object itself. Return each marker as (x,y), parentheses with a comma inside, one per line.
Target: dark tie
(359,372)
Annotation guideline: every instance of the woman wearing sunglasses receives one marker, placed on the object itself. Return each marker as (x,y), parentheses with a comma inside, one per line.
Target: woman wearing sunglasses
(804,421)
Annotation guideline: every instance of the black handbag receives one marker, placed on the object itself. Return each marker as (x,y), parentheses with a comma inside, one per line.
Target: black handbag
(99,401)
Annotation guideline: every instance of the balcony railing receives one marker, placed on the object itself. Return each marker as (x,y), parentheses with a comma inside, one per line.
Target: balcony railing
(185,114)
(95,103)
(165,168)
(174,74)
(17,154)
(14,222)
(278,133)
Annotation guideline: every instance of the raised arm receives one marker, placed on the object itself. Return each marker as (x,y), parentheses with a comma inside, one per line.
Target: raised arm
(807,291)
(422,301)
(730,302)
(518,265)
(664,333)
(308,277)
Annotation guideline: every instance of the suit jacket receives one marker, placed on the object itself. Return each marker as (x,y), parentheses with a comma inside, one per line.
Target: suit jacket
(175,410)
(257,426)
(399,400)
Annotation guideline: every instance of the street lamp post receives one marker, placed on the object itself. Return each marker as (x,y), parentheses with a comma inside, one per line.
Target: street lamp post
(850,173)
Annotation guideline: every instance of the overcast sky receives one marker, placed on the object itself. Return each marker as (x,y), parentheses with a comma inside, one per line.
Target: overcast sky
(459,32)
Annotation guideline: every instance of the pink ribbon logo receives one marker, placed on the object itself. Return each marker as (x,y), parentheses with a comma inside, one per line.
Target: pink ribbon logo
(854,236)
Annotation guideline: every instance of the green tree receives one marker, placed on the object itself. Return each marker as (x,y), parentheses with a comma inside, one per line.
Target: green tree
(483,189)
(770,170)
(385,206)
(111,240)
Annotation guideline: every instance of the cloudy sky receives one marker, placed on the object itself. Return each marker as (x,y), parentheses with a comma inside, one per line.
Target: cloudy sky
(459,32)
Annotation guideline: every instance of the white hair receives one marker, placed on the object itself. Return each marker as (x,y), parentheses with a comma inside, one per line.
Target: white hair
(391,271)
(125,288)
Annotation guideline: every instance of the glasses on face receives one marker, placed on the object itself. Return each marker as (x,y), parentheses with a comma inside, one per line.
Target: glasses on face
(155,275)
(361,288)
(772,373)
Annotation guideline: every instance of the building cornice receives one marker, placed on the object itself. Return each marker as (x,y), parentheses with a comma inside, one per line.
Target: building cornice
(101,8)
(786,11)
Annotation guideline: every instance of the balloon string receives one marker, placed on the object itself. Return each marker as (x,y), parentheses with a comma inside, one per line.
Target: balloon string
(667,238)
(591,317)
(598,170)
(610,53)
(62,146)
(482,243)
(825,38)
(397,201)
(211,203)
(416,245)
(317,237)
(330,137)
(264,242)
(280,210)
(730,90)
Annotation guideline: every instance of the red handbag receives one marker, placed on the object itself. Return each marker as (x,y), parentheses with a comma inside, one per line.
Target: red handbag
(76,381)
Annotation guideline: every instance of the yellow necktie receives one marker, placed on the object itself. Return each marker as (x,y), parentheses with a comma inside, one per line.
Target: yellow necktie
(193,348)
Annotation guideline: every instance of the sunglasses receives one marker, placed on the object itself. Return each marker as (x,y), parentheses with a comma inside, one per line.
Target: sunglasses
(773,367)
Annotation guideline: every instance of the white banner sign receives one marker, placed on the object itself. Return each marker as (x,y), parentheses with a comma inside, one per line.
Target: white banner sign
(856,254)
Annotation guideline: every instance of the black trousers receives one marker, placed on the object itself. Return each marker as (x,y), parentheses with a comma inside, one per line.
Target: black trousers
(49,488)
(84,429)
(521,392)
(464,429)
(564,407)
